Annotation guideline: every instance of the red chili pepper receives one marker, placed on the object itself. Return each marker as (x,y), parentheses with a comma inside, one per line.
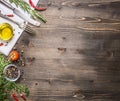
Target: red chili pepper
(37,8)
(1,44)
(10,15)
(15,97)
(23,97)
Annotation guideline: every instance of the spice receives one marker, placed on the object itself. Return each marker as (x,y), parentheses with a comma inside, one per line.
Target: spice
(10,15)
(15,97)
(11,72)
(37,8)
(23,97)
(1,44)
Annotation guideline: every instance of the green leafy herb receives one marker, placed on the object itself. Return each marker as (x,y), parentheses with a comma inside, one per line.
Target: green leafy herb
(7,88)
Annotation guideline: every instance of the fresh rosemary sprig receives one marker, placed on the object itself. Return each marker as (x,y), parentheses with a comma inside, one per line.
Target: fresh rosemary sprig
(26,7)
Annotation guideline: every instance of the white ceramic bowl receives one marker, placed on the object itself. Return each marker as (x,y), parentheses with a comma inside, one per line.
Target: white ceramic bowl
(11,79)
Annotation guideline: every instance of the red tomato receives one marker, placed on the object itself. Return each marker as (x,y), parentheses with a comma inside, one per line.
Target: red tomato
(14,55)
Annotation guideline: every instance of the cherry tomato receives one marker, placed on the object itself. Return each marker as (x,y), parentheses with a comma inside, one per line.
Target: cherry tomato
(14,55)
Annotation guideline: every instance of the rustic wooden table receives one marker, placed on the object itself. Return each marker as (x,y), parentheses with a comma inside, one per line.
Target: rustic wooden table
(75,56)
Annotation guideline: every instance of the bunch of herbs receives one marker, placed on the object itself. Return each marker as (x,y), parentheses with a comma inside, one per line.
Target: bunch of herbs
(7,88)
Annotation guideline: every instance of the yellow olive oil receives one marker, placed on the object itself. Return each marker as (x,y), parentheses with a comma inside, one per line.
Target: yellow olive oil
(6,31)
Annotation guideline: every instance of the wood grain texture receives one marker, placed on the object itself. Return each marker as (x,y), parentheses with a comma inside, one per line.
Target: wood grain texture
(77,52)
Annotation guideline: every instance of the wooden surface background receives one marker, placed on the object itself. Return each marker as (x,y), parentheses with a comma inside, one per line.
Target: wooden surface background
(75,56)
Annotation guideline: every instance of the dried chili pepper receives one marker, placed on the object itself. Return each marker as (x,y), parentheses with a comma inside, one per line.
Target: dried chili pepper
(10,15)
(15,97)
(37,8)
(1,44)
(23,97)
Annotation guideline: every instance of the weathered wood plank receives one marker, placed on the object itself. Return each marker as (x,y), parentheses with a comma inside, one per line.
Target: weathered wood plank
(77,52)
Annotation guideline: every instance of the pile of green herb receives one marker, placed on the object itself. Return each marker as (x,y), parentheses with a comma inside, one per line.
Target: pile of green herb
(10,89)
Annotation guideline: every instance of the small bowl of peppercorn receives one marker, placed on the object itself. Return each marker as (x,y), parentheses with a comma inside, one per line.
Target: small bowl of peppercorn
(12,73)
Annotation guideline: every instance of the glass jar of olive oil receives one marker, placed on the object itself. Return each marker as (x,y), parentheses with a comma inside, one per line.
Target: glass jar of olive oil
(6,31)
